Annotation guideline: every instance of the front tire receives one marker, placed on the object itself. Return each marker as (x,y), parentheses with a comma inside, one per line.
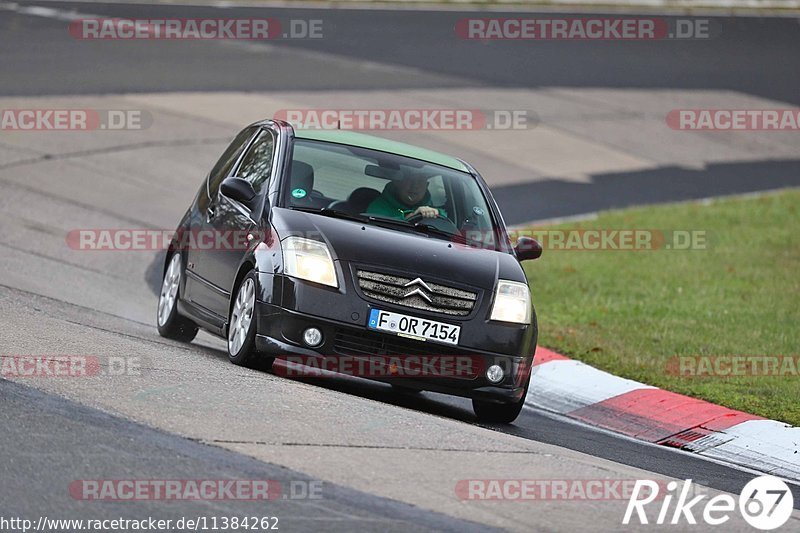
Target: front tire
(499,413)
(242,326)
(170,324)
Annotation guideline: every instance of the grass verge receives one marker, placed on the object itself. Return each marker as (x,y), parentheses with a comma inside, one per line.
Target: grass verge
(632,312)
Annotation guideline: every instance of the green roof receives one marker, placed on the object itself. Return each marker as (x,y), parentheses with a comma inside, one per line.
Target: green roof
(382,145)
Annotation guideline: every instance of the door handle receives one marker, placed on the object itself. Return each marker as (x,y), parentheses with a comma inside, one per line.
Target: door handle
(210,212)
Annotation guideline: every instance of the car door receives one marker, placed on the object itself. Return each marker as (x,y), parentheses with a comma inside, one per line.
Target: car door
(233,221)
(200,289)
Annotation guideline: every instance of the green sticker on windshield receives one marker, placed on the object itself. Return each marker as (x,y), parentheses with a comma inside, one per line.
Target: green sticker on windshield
(299,193)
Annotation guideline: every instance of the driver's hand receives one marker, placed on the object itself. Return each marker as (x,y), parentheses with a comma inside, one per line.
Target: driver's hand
(425,212)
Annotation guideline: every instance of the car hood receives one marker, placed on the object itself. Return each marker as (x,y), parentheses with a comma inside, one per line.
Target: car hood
(417,254)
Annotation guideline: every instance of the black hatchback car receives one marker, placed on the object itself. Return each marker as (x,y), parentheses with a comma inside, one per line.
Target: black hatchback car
(333,244)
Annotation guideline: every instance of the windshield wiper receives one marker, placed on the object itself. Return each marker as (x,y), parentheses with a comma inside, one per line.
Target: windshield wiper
(333,213)
(426,229)
(433,230)
(429,230)
(418,227)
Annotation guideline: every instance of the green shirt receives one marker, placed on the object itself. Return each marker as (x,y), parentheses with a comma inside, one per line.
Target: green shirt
(387,205)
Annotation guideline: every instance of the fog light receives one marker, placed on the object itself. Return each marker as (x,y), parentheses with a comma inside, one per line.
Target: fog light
(313,337)
(495,374)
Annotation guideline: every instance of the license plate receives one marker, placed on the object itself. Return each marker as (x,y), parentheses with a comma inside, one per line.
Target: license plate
(417,328)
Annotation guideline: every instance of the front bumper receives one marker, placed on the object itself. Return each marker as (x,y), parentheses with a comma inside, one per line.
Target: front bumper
(280,333)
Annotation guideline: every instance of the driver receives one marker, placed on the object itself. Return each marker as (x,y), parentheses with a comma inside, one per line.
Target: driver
(405,198)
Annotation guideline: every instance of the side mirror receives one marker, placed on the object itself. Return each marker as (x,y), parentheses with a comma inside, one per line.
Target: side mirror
(240,190)
(528,249)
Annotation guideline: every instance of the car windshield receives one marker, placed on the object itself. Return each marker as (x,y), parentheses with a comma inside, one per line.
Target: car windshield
(391,190)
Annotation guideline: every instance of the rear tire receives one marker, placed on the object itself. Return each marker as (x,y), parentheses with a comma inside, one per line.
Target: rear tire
(170,324)
(242,327)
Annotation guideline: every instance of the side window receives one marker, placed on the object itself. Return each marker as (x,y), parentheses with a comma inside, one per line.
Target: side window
(256,164)
(228,158)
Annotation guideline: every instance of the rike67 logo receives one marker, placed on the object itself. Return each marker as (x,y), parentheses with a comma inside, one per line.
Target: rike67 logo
(766,503)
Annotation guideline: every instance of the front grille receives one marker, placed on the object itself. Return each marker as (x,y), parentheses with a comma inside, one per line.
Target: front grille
(366,343)
(408,292)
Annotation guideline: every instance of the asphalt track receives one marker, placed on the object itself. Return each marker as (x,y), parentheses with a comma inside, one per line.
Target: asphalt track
(388,460)
(404,50)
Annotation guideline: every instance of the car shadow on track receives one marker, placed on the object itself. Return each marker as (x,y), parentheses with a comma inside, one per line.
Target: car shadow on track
(155,272)
(427,402)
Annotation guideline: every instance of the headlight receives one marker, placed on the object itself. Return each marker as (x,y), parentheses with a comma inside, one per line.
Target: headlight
(309,260)
(512,303)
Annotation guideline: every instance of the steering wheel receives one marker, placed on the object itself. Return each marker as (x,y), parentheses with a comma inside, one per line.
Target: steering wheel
(438,222)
